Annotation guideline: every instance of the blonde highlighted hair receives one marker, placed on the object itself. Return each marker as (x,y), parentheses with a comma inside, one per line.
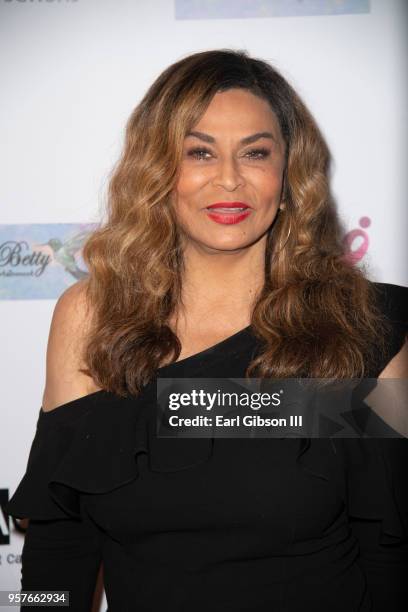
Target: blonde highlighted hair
(317,314)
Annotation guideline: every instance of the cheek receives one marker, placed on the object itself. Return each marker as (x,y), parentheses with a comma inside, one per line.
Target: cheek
(189,181)
(268,185)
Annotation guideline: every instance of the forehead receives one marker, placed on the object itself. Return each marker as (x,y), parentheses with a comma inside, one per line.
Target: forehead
(240,110)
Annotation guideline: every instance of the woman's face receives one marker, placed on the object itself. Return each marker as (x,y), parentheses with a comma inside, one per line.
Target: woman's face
(234,154)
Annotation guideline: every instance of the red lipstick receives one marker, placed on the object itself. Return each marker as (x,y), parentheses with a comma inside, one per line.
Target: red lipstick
(228,213)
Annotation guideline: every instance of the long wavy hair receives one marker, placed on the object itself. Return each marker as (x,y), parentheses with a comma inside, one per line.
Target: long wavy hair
(317,314)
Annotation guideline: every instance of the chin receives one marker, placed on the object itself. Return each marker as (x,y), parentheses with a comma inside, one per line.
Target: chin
(226,246)
(219,244)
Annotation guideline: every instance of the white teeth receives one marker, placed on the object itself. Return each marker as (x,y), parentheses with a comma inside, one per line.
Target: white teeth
(228,210)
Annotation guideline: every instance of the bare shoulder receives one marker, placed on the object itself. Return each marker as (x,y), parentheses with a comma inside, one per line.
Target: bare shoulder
(69,325)
(398,366)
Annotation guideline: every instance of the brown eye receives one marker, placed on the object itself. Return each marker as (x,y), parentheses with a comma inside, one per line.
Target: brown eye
(258,153)
(198,153)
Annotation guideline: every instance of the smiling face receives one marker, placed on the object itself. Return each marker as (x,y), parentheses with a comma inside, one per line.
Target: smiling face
(235,153)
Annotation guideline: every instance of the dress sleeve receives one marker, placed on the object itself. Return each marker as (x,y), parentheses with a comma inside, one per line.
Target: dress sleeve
(62,549)
(377,484)
(63,555)
(378,516)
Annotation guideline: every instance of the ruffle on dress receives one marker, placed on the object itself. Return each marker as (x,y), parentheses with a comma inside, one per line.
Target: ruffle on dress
(86,445)
(376,483)
(91,445)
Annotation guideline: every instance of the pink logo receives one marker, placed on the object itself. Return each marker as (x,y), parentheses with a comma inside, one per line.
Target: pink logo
(356,241)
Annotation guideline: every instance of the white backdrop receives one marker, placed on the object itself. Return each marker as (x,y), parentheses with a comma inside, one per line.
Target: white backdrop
(72,71)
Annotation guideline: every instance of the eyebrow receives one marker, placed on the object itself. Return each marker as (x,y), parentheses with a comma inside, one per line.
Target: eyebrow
(247,140)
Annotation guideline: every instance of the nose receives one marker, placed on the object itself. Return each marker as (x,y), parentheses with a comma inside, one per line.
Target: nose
(227,175)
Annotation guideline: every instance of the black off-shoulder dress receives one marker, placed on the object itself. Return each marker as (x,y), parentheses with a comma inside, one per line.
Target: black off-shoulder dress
(220,525)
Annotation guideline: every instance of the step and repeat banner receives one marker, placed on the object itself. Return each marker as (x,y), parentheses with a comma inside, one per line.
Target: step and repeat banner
(71,73)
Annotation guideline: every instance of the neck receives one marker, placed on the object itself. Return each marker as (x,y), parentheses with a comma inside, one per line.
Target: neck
(222,285)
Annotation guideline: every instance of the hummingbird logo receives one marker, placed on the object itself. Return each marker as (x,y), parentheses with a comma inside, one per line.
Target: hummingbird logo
(65,252)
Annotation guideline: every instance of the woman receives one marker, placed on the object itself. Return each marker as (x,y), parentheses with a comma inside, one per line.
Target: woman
(180,285)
